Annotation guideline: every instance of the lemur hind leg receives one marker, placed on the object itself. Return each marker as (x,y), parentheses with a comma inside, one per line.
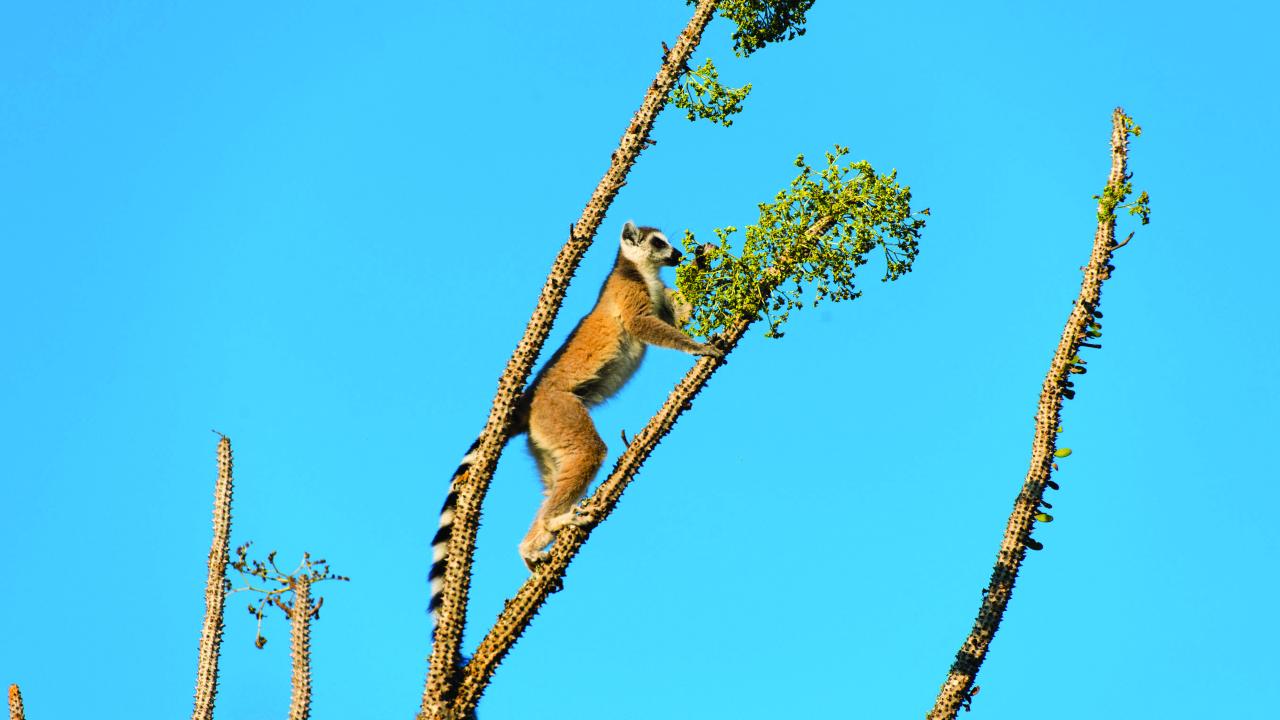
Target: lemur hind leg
(569,453)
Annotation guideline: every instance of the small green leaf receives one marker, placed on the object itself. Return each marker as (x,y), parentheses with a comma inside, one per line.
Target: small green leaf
(1062,452)
(1044,517)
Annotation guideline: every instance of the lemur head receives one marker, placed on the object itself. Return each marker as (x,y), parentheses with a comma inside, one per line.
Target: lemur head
(647,247)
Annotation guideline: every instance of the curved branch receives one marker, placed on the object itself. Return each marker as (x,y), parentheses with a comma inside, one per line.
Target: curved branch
(958,688)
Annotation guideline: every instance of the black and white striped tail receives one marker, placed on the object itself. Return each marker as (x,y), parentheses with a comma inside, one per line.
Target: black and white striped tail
(440,544)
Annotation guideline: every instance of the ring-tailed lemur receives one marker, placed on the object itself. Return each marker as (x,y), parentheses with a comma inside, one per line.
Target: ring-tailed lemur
(635,309)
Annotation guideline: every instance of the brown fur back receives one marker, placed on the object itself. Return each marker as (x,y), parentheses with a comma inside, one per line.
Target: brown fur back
(600,352)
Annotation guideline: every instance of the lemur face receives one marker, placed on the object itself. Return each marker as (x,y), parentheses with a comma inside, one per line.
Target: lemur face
(647,246)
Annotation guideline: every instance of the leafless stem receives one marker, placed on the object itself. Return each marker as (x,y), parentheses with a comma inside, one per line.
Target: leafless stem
(958,687)
(15,704)
(451,615)
(300,648)
(215,590)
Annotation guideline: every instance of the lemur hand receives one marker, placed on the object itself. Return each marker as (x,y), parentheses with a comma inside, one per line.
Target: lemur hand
(710,350)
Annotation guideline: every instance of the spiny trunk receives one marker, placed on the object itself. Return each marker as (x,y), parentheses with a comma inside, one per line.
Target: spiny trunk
(957,688)
(15,704)
(214,589)
(300,649)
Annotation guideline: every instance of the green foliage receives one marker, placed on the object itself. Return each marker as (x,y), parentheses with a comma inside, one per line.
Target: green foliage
(702,95)
(815,234)
(1113,195)
(1141,206)
(761,22)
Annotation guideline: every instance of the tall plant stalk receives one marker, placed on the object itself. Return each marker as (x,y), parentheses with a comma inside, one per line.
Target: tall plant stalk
(215,589)
(957,690)
(451,615)
(300,649)
(16,712)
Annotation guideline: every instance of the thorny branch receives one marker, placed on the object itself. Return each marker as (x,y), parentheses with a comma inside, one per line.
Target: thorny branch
(958,688)
(300,612)
(549,576)
(451,616)
(16,711)
(215,592)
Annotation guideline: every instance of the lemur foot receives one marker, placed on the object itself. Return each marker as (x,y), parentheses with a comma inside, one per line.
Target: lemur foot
(531,548)
(577,517)
(534,558)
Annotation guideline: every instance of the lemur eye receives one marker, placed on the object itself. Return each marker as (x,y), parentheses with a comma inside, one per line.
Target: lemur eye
(657,244)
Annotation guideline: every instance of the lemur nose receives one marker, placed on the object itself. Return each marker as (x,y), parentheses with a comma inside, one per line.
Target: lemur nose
(676,255)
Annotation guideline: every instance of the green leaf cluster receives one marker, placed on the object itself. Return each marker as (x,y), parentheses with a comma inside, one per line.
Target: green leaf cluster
(703,96)
(811,238)
(1114,194)
(761,22)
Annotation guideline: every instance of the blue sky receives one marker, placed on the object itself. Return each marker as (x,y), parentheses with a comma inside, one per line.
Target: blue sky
(320,230)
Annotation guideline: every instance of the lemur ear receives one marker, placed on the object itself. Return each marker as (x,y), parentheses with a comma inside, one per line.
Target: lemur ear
(630,233)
